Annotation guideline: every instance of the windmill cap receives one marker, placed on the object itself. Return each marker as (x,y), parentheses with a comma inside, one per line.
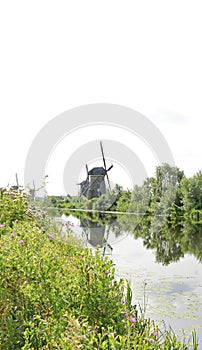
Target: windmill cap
(97,171)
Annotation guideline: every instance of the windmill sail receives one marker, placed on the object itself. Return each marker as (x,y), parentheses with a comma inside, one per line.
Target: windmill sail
(104,162)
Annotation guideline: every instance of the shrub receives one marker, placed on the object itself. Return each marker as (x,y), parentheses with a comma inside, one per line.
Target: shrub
(54,294)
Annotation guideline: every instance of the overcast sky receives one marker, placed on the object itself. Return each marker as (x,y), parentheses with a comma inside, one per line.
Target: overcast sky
(57,55)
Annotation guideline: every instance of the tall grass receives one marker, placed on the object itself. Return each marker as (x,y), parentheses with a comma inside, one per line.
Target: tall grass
(54,294)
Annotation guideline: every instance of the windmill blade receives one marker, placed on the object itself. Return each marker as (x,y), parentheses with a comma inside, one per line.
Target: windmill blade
(90,185)
(110,168)
(17,182)
(103,157)
(87,172)
(108,182)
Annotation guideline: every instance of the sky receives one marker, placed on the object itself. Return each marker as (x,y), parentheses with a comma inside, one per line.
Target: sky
(55,56)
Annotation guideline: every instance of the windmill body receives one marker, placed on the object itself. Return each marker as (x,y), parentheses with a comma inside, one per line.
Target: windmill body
(97,185)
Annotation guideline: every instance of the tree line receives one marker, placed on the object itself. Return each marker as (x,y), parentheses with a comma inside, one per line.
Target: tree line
(169,193)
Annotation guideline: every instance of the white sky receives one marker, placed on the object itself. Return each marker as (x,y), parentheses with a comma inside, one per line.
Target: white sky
(56,55)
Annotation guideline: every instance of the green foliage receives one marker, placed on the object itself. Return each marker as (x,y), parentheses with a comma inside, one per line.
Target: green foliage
(169,194)
(192,196)
(56,295)
(15,206)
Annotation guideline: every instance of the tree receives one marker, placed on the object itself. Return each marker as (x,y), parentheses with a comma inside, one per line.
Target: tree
(191,189)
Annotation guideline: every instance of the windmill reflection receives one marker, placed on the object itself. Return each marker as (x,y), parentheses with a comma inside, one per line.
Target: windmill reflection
(96,235)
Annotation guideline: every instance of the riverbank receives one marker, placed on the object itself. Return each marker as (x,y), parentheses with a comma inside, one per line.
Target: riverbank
(57,295)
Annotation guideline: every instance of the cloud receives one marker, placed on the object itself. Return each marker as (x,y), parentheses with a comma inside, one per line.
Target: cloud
(168,116)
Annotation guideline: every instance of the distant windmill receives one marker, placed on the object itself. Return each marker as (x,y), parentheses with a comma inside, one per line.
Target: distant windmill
(94,185)
(84,185)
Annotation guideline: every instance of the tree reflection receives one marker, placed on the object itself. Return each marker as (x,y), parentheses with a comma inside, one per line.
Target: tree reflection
(170,241)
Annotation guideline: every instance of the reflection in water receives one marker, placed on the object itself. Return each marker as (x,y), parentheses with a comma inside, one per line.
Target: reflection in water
(170,242)
(96,235)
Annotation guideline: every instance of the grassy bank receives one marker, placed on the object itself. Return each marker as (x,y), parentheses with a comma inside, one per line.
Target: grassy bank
(54,294)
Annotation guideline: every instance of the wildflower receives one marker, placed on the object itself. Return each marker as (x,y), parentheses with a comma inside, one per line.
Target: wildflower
(106,272)
(132,319)
(50,236)
(68,223)
(152,341)
(125,314)
(21,241)
(155,334)
(14,234)
(123,301)
(3,225)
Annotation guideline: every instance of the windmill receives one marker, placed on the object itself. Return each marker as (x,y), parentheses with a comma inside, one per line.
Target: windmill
(94,185)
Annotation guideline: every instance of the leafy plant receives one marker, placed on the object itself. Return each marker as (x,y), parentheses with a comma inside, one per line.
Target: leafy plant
(54,294)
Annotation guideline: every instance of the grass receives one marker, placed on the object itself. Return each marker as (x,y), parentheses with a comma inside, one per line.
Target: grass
(54,294)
